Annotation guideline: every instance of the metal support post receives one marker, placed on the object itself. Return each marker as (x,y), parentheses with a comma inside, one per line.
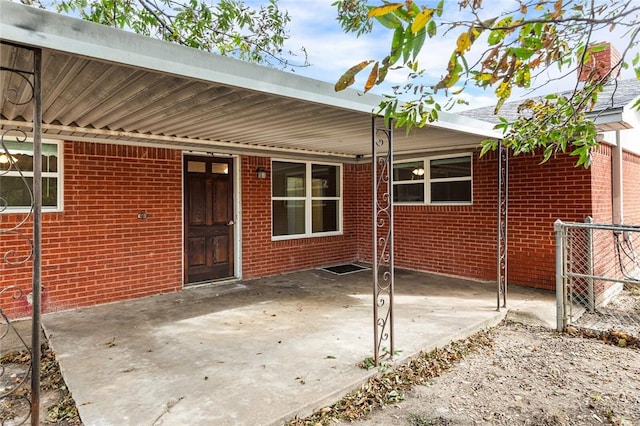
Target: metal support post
(503,208)
(37,238)
(591,298)
(383,269)
(28,247)
(560,282)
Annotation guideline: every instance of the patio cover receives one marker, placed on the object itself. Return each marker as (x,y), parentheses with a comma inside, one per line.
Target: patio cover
(113,86)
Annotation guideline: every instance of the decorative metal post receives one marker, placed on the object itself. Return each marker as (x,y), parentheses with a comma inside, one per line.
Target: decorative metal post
(503,208)
(31,90)
(383,273)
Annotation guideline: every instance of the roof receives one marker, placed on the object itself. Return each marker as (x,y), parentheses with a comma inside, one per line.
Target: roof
(110,85)
(608,112)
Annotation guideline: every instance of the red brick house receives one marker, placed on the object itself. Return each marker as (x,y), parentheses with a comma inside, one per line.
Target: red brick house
(166,167)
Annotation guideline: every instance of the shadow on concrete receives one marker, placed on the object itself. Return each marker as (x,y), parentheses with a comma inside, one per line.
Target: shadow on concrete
(260,351)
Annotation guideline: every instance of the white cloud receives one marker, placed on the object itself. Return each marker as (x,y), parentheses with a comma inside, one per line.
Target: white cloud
(331,51)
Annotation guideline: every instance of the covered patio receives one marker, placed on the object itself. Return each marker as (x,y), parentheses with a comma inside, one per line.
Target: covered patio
(258,352)
(253,352)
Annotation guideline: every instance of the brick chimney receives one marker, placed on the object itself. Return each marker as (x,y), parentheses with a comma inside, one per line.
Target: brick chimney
(600,63)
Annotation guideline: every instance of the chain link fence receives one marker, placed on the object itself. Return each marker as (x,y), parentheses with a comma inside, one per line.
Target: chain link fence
(598,276)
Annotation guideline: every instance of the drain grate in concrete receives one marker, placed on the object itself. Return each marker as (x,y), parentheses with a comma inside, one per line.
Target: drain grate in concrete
(347,268)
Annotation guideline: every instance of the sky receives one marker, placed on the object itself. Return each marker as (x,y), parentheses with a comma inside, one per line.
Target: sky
(331,52)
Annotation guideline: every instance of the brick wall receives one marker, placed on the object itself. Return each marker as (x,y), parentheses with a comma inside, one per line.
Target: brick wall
(455,240)
(600,63)
(263,257)
(538,195)
(96,250)
(631,188)
(461,240)
(601,191)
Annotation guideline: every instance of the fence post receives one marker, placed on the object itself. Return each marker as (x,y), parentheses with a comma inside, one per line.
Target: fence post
(591,298)
(560,284)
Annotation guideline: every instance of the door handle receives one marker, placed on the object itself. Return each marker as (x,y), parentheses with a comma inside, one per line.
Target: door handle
(231,223)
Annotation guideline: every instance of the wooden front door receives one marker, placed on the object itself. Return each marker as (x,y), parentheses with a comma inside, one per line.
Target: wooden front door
(208,216)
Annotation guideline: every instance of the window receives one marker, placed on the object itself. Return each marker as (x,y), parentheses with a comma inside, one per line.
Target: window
(306,199)
(435,180)
(17,158)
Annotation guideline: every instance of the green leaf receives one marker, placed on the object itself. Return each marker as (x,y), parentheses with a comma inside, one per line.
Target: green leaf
(499,105)
(390,21)
(498,35)
(432,29)
(521,53)
(548,152)
(418,42)
(599,47)
(396,45)
(488,145)
(413,8)
(407,45)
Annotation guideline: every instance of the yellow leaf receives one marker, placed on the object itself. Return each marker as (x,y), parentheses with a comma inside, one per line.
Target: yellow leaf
(421,20)
(504,90)
(383,10)
(463,43)
(373,77)
(348,78)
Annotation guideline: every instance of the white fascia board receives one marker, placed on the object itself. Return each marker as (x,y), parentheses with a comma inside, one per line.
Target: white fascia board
(609,120)
(48,30)
(461,123)
(618,118)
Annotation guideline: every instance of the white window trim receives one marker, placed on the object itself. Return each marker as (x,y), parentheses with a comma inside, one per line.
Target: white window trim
(308,220)
(426,181)
(59,175)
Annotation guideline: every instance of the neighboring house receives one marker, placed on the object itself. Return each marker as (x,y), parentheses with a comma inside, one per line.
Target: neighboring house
(167,167)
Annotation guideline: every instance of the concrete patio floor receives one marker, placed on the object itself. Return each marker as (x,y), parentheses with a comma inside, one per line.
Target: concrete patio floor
(258,352)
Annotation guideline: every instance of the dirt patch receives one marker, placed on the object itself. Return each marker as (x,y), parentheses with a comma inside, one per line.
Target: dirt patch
(530,377)
(524,376)
(56,404)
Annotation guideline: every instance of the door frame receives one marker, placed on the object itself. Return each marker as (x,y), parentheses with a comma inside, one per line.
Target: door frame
(237,217)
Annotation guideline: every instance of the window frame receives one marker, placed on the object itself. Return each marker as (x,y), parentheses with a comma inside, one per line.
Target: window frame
(426,180)
(308,199)
(58,175)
